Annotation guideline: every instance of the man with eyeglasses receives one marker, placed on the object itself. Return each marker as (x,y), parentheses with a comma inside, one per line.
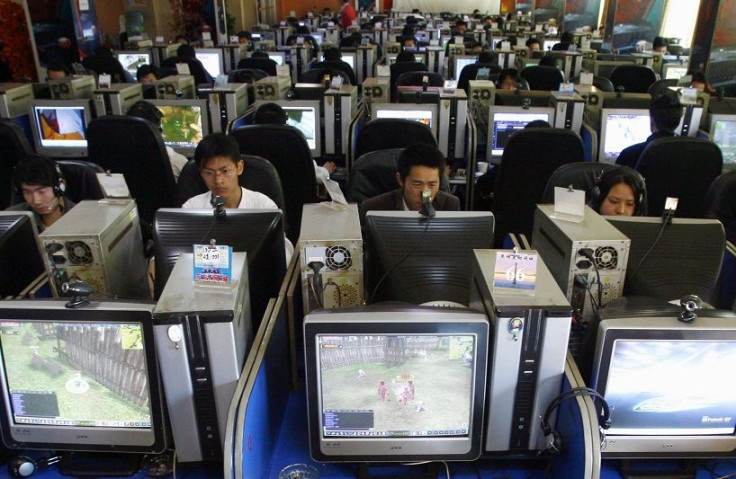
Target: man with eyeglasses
(218,159)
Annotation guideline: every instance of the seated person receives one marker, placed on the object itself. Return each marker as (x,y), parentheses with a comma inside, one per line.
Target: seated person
(487,58)
(664,117)
(181,39)
(147,111)
(273,114)
(619,192)
(103,61)
(700,83)
(566,41)
(333,59)
(659,45)
(245,38)
(420,167)
(533,45)
(508,79)
(146,74)
(56,71)
(461,27)
(548,61)
(38,179)
(405,57)
(187,54)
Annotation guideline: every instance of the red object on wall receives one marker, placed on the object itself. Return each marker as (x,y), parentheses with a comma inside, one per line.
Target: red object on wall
(15,38)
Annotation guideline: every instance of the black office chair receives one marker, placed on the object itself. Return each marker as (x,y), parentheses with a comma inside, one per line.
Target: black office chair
(720,203)
(417,78)
(541,77)
(529,159)
(372,174)
(81,180)
(679,167)
(265,64)
(317,75)
(134,147)
(600,82)
(661,87)
(246,75)
(398,68)
(338,65)
(14,147)
(196,69)
(387,133)
(633,78)
(470,72)
(581,176)
(258,175)
(286,148)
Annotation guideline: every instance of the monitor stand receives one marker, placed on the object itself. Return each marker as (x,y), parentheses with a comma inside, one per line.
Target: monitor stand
(99,464)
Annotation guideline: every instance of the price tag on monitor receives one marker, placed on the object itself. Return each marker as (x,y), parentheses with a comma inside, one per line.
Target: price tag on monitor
(459,40)
(206,36)
(160,39)
(104,80)
(515,272)
(234,39)
(586,78)
(212,264)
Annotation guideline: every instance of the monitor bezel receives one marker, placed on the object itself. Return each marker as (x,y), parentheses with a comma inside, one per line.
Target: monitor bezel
(430,107)
(206,127)
(281,55)
(602,158)
(494,110)
(656,325)
(79,438)
(300,104)
(396,321)
(220,59)
(666,67)
(60,151)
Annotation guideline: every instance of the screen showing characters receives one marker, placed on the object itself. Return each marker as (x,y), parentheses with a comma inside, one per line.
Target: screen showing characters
(181,125)
(505,124)
(396,385)
(724,135)
(625,130)
(672,387)
(61,126)
(131,61)
(303,119)
(76,374)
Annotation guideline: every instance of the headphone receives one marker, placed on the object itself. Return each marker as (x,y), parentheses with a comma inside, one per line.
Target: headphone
(554,438)
(58,183)
(636,181)
(24,466)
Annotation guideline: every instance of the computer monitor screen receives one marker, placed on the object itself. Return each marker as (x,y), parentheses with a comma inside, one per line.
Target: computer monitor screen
(723,132)
(621,128)
(83,379)
(426,114)
(184,123)
(416,378)
(260,233)
(460,62)
(20,256)
(505,121)
(132,60)
(60,127)
(665,381)
(549,43)
(423,260)
(304,115)
(349,58)
(696,246)
(318,38)
(211,59)
(278,57)
(674,71)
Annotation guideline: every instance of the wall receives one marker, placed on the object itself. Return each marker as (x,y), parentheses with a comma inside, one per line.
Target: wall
(108,17)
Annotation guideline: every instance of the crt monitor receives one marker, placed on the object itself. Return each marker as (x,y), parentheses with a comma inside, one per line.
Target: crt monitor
(260,233)
(60,127)
(667,383)
(620,128)
(20,255)
(424,113)
(184,123)
(419,260)
(83,379)
(505,120)
(212,60)
(278,57)
(133,59)
(304,115)
(460,62)
(696,246)
(674,71)
(723,132)
(395,383)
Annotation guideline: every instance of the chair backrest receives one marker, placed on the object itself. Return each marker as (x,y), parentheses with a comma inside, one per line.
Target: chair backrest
(338,65)
(316,75)
(14,147)
(679,167)
(521,83)
(661,87)
(287,149)
(416,78)
(600,82)
(372,174)
(720,202)
(134,147)
(258,175)
(633,78)
(542,77)
(529,159)
(582,175)
(398,68)
(81,180)
(470,72)
(246,75)
(196,69)
(265,64)
(386,133)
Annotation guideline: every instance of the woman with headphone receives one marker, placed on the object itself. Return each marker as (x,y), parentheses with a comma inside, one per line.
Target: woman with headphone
(620,191)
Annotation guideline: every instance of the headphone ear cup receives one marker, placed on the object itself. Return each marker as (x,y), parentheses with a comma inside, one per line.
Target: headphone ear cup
(60,186)
(21,466)
(595,193)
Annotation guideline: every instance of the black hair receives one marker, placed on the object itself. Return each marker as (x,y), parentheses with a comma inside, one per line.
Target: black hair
(533,40)
(567,37)
(145,70)
(548,61)
(405,57)
(506,73)
(216,144)
(332,54)
(420,154)
(270,114)
(459,22)
(538,124)
(147,111)
(659,42)
(699,77)
(665,111)
(186,51)
(618,175)
(407,31)
(35,170)
(57,67)
(244,34)
(259,55)
(302,30)
(487,57)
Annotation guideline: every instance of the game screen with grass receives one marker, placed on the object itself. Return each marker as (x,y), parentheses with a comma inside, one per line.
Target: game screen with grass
(76,374)
(181,125)
(396,385)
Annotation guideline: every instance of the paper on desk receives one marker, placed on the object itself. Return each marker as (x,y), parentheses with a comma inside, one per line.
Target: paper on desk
(113,185)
